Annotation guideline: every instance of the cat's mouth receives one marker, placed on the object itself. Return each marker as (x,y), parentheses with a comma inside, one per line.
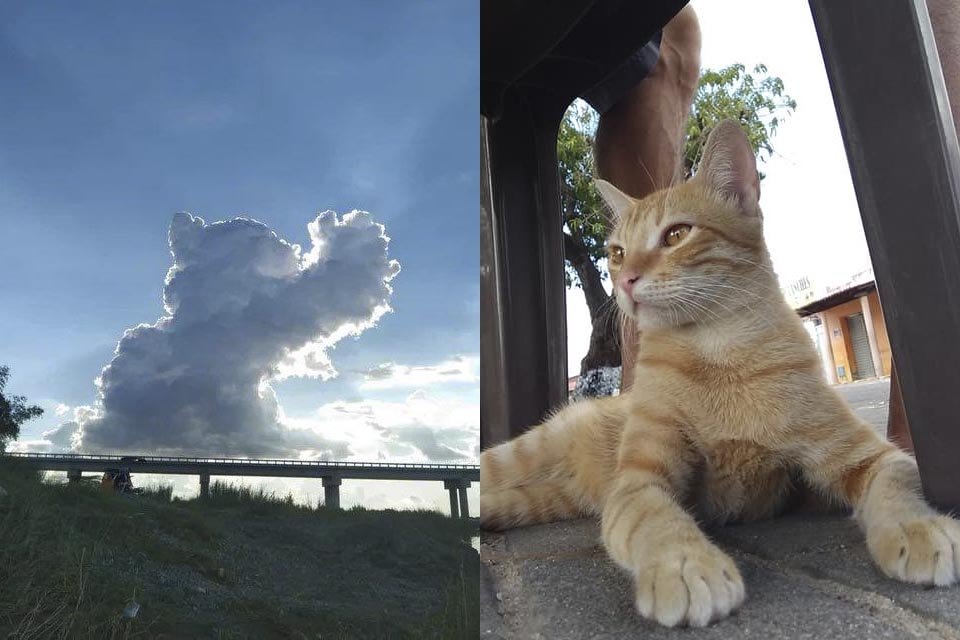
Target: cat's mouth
(636,304)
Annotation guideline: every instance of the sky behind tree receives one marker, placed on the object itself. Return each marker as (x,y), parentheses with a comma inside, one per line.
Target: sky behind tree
(811,218)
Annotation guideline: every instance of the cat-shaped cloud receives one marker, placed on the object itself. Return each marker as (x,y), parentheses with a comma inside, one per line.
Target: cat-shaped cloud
(243,306)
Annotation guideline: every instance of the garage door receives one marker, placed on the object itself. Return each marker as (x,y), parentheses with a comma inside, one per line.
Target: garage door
(863,367)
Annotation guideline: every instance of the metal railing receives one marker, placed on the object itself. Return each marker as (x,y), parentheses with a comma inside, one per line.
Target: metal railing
(68,457)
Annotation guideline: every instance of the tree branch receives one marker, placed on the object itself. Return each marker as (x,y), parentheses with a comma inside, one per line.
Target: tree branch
(589,275)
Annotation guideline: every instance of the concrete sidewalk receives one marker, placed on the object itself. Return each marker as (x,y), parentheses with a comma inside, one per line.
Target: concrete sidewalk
(807,576)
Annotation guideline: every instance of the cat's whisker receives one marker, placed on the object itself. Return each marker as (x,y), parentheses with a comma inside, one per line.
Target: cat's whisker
(753,263)
(699,305)
(702,283)
(653,183)
(717,299)
(709,297)
(611,313)
(713,286)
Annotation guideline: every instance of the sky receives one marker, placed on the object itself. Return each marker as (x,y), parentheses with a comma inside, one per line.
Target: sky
(811,219)
(131,140)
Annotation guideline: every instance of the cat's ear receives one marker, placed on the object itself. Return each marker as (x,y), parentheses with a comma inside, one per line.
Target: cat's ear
(617,200)
(729,165)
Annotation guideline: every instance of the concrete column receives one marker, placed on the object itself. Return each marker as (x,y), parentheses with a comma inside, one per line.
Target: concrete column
(452,486)
(871,335)
(331,492)
(74,475)
(826,349)
(464,507)
(204,486)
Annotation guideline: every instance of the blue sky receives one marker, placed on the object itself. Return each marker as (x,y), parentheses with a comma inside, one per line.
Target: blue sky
(114,117)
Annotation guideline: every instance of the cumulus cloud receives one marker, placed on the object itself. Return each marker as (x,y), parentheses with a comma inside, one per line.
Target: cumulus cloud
(388,375)
(242,307)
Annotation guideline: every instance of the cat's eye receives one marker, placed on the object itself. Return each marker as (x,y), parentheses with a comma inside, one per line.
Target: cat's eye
(675,234)
(614,254)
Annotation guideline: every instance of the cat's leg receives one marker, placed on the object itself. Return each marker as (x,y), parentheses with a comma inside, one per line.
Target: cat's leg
(547,501)
(907,538)
(681,577)
(544,474)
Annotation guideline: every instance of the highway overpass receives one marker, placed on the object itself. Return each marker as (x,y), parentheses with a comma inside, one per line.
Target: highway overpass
(456,478)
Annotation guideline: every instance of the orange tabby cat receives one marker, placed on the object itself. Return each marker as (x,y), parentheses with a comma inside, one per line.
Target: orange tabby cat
(729,405)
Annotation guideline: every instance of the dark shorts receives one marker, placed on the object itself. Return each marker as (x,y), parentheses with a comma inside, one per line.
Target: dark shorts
(628,75)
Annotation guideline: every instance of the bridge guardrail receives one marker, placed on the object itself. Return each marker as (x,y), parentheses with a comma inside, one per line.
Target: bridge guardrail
(239,461)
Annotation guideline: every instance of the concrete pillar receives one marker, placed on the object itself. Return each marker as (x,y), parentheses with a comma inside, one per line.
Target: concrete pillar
(464,507)
(331,492)
(826,349)
(452,486)
(74,475)
(204,486)
(871,335)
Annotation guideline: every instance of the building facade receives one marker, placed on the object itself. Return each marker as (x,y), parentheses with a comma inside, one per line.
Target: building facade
(850,333)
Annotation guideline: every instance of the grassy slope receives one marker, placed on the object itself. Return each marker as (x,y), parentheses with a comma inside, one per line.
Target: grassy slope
(242,564)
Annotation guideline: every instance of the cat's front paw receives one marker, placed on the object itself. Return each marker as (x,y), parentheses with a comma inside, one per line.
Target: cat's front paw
(925,550)
(694,586)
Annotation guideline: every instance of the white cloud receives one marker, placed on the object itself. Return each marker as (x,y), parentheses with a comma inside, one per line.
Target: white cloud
(421,428)
(242,307)
(463,369)
(61,409)
(30,446)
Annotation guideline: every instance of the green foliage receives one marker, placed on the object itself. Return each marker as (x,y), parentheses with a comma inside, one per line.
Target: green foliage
(755,99)
(14,411)
(583,209)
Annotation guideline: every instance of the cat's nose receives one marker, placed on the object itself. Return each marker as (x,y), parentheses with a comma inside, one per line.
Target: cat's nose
(628,279)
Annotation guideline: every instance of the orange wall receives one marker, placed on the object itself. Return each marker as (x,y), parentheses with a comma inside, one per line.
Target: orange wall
(883,340)
(840,338)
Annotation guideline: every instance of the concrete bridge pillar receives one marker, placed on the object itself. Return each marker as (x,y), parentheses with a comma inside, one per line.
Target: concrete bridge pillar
(452,486)
(462,490)
(331,491)
(74,475)
(204,486)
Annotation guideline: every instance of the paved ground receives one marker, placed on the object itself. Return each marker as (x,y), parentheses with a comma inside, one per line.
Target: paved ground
(807,576)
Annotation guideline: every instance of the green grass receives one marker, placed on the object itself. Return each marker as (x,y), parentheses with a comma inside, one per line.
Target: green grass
(242,564)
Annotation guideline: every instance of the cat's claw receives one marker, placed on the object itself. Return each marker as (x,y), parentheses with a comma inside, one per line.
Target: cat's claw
(691,587)
(922,551)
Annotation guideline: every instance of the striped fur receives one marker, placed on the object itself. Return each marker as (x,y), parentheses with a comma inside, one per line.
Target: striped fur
(729,411)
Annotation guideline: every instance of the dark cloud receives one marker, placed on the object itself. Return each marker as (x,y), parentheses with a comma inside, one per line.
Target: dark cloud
(62,437)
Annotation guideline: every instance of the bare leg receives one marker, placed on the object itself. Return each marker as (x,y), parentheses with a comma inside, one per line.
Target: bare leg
(945,17)
(898,429)
(639,140)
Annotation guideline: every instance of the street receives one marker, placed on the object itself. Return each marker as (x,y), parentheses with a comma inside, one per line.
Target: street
(870,400)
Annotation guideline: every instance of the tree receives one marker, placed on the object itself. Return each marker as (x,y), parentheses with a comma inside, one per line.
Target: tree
(755,99)
(14,411)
